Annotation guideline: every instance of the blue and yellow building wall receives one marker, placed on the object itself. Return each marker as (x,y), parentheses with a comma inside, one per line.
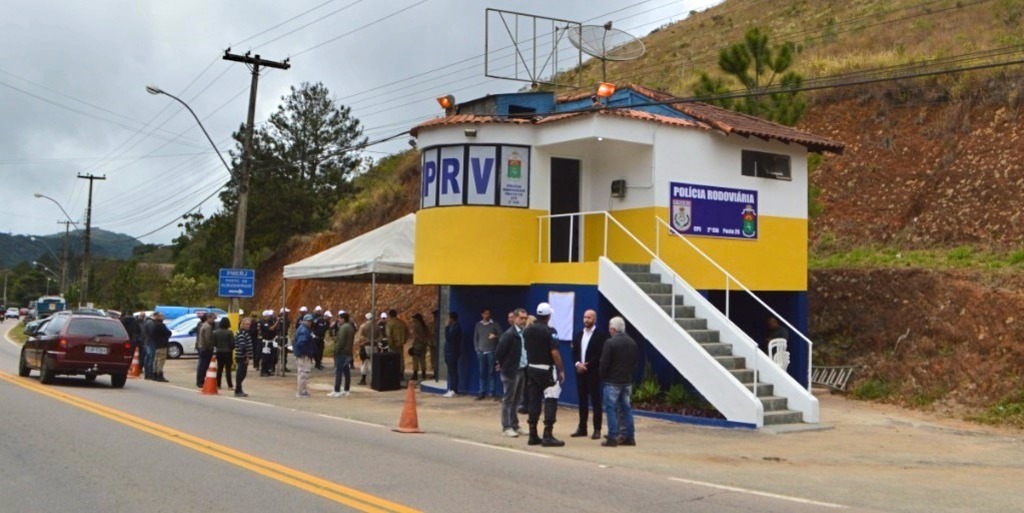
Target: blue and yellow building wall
(492,246)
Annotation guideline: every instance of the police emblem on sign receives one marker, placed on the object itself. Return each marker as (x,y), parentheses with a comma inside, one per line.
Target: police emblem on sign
(682,215)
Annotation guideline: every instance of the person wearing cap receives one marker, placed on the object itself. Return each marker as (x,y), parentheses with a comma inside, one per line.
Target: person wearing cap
(303,349)
(397,332)
(320,326)
(542,382)
(363,341)
(161,337)
(269,328)
(485,339)
(343,343)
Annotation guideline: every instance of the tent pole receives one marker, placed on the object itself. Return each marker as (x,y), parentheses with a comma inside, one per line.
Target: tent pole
(284,327)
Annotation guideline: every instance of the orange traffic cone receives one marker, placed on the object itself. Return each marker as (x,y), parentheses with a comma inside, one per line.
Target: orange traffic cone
(210,384)
(135,370)
(409,423)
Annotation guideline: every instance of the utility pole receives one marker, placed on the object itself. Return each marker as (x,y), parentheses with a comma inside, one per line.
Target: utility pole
(238,258)
(64,257)
(84,296)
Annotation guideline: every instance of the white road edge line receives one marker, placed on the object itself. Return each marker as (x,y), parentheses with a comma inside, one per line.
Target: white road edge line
(239,399)
(762,494)
(489,446)
(343,419)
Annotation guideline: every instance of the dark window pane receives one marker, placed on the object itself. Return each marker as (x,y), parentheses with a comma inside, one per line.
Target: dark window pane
(83,327)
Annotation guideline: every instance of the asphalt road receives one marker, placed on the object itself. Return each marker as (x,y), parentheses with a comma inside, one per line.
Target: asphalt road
(84,447)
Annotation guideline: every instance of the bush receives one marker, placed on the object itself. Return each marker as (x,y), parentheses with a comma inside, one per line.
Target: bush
(649,389)
(872,389)
(677,395)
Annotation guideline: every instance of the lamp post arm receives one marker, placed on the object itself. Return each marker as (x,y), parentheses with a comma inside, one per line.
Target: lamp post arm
(203,128)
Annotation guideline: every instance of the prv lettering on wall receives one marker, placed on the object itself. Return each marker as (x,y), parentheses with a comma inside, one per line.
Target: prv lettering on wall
(472,175)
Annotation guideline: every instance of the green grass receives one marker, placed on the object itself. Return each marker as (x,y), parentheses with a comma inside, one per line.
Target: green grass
(872,389)
(1009,411)
(16,333)
(961,257)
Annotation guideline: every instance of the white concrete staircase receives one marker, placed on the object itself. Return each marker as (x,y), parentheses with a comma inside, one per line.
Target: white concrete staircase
(711,352)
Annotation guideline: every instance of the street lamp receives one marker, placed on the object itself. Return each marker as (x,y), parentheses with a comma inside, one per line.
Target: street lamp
(63,266)
(47,269)
(55,202)
(85,261)
(242,181)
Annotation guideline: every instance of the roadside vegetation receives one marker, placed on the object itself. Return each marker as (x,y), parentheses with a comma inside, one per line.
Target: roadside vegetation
(960,257)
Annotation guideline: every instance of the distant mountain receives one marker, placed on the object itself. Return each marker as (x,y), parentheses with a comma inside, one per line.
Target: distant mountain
(15,249)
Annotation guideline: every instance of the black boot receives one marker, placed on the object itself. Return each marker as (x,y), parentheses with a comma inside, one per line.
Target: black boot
(549,440)
(160,378)
(534,439)
(362,380)
(415,376)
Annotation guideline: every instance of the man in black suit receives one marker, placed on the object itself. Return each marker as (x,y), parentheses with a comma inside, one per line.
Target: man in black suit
(586,353)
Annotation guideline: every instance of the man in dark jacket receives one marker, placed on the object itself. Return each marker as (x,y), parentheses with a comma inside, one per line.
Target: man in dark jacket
(618,362)
(205,346)
(511,360)
(131,325)
(148,347)
(586,353)
(160,337)
(303,350)
(452,350)
(343,343)
(319,328)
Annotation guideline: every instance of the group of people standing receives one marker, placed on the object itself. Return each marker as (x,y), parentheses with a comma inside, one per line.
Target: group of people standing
(526,356)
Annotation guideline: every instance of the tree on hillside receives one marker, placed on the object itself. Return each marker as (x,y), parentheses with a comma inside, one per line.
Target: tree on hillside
(302,165)
(758,67)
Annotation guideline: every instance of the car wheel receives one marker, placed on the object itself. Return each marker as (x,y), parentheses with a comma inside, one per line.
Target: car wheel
(46,374)
(174,351)
(90,377)
(23,368)
(117,380)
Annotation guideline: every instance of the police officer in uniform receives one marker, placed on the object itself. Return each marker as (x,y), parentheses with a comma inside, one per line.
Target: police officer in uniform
(542,359)
(269,328)
(319,328)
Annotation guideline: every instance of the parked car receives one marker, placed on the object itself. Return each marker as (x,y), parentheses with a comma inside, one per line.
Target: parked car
(23,311)
(76,344)
(184,319)
(11,313)
(183,339)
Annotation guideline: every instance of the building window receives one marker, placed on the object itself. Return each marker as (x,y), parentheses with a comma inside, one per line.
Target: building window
(766,165)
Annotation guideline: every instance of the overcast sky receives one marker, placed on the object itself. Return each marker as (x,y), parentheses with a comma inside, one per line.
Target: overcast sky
(73,77)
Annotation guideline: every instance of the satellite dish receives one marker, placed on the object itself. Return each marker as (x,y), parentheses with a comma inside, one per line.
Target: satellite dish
(606,43)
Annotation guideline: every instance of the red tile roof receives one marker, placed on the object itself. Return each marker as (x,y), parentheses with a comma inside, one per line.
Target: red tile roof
(704,116)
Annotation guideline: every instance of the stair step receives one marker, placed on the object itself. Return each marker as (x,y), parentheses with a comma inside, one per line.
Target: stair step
(655,288)
(744,375)
(644,277)
(692,323)
(774,403)
(717,348)
(704,335)
(682,311)
(773,418)
(731,362)
(763,389)
(635,268)
(665,299)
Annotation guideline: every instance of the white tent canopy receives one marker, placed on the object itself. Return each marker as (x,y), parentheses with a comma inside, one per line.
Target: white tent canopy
(386,254)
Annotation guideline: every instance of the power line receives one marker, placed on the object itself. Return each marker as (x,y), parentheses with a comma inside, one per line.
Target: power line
(285,22)
(290,32)
(353,31)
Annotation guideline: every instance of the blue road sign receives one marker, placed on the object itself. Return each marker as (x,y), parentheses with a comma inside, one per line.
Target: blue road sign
(237,283)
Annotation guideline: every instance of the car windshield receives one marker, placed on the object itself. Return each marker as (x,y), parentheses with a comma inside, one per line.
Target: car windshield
(96,327)
(183,327)
(173,325)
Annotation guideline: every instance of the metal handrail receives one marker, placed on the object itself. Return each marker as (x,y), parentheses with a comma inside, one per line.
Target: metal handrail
(728,277)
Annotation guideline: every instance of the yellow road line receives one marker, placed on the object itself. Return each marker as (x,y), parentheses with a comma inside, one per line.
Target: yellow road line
(327,489)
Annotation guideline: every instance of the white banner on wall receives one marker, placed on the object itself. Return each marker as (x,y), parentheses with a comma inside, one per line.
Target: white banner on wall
(483,174)
(450,176)
(563,304)
(515,176)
